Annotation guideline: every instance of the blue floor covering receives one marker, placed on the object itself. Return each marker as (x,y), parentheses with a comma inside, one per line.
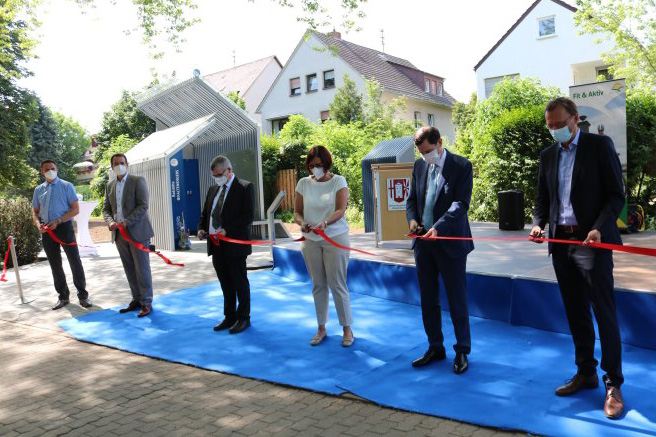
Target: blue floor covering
(513,370)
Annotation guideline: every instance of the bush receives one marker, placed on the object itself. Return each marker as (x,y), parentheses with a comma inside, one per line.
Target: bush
(512,156)
(503,141)
(16,220)
(641,149)
(85,191)
(355,217)
(285,216)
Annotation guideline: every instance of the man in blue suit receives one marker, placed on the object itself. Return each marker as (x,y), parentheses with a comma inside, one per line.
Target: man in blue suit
(438,204)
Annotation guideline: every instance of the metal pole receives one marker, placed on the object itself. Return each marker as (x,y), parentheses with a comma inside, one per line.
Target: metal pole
(271,214)
(15,261)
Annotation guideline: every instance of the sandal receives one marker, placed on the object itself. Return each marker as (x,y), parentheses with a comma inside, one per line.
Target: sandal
(317,339)
(347,342)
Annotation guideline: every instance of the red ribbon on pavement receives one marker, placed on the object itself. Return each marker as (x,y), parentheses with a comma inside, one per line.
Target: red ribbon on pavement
(617,247)
(140,246)
(4,268)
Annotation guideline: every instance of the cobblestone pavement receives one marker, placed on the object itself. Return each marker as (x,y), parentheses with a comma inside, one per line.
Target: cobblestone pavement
(51,384)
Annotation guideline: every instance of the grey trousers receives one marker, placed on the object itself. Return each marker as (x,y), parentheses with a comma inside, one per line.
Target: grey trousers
(136,264)
(327,266)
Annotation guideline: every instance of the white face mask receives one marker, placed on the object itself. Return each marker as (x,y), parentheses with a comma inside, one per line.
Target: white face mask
(120,170)
(51,175)
(220,180)
(318,172)
(561,135)
(431,157)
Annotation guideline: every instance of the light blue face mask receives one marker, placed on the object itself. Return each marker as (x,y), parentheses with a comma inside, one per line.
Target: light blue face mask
(561,135)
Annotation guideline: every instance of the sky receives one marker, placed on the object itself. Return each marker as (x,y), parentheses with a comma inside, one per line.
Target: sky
(85,59)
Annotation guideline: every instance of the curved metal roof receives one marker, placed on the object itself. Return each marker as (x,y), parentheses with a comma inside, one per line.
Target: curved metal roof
(176,104)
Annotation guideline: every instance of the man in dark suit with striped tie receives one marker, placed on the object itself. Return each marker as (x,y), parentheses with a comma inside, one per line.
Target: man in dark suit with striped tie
(228,211)
(437,206)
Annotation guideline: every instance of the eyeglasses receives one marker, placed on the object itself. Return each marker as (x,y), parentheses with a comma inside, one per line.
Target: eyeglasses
(560,124)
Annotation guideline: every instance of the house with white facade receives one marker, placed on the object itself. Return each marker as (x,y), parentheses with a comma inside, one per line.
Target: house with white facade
(251,81)
(308,82)
(544,43)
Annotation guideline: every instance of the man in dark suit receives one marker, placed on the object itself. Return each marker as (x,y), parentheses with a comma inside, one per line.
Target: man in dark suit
(438,203)
(228,211)
(126,203)
(580,196)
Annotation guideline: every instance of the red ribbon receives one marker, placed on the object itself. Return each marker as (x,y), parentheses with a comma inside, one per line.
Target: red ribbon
(323,235)
(140,246)
(217,238)
(617,247)
(58,241)
(4,268)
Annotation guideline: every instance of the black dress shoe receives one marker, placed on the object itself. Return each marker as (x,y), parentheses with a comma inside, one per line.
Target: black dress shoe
(61,303)
(430,356)
(225,324)
(460,364)
(132,307)
(145,310)
(86,303)
(241,325)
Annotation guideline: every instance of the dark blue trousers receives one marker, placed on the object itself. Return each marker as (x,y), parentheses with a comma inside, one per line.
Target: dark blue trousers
(432,262)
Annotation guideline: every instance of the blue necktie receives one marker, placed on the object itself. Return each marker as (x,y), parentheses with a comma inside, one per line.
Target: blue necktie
(431,195)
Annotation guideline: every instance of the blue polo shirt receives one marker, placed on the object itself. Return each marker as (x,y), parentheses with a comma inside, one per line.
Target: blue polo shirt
(54,199)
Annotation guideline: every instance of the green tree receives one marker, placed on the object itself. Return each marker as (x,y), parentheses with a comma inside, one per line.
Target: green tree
(74,138)
(464,114)
(124,119)
(44,139)
(120,144)
(503,141)
(380,117)
(641,150)
(347,106)
(631,25)
(237,99)
(18,108)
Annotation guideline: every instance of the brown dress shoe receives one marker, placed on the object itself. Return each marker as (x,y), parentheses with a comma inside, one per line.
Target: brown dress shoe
(614,405)
(145,310)
(132,307)
(577,383)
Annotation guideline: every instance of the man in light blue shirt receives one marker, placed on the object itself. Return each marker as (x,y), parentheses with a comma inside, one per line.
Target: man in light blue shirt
(54,204)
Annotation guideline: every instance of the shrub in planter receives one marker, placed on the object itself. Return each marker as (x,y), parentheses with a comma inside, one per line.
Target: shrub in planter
(16,220)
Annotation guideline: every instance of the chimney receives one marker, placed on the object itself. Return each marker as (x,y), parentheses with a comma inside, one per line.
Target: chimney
(335,34)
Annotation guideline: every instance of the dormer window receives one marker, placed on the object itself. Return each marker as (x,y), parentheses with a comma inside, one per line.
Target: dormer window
(547,26)
(432,86)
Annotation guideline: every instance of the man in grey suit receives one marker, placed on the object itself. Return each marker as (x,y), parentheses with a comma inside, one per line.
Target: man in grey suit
(126,204)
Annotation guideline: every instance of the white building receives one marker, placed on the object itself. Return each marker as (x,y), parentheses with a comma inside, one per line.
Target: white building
(251,81)
(308,82)
(544,43)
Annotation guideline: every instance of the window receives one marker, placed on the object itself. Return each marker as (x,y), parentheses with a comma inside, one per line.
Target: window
(278,124)
(603,74)
(490,82)
(431,86)
(440,89)
(431,120)
(417,118)
(329,79)
(547,26)
(325,115)
(295,86)
(312,83)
